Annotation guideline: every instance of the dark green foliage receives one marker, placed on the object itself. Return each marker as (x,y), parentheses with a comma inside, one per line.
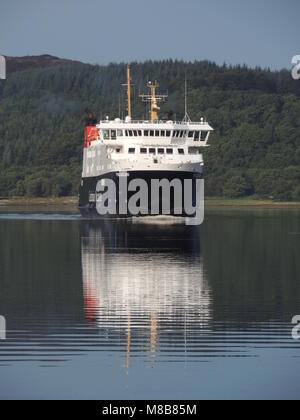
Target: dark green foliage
(255,148)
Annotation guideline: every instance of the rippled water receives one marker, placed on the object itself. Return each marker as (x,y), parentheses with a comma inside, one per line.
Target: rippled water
(150,310)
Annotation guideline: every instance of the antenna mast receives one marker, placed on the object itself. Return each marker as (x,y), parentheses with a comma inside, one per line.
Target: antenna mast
(186,115)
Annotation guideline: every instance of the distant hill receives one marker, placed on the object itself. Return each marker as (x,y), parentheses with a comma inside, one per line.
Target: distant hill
(33,61)
(255,148)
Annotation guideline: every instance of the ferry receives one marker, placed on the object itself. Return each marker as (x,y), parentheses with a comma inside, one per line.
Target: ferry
(140,149)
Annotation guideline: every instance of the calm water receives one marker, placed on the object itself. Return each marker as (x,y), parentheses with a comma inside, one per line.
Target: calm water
(122,310)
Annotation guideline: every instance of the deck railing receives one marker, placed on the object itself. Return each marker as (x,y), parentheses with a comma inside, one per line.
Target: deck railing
(184,123)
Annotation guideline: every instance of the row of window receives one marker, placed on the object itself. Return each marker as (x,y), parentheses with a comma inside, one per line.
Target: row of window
(191,134)
(156,150)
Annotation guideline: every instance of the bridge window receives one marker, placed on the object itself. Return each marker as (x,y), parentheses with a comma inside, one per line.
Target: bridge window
(140,133)
(203,135)
(191,134)
(197,136)
(151,133)
(156,133)
(113,134)
(146,133)
(163,133)
(106,134)
(168,133)
(120,133)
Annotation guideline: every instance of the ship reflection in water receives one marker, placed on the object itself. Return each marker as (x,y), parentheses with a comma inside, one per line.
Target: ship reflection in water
(125,310)
(147,292)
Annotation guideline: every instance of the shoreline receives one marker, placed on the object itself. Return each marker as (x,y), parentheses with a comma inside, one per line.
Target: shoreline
(70,203)
(250,203)
(42,201)
(47,204)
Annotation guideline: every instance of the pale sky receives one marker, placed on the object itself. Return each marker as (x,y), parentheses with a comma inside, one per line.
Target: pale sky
(255,32)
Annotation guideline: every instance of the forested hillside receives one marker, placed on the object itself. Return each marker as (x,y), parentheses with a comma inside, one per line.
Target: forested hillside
(255,148)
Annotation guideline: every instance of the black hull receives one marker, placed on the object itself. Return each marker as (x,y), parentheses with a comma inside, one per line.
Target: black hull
(88,187)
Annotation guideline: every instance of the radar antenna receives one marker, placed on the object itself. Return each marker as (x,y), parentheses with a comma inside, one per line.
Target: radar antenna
(153,99)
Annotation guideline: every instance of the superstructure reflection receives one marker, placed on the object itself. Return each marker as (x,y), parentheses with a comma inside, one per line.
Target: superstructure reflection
(143,288)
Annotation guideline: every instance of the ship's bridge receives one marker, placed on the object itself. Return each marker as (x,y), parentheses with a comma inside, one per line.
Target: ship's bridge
(154,132)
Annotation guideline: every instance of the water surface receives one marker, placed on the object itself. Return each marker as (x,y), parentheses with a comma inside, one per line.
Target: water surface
(122,310)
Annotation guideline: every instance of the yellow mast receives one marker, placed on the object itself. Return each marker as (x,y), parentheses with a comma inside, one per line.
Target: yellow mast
(128,91)
(128,86)
(154,107)
(153,99)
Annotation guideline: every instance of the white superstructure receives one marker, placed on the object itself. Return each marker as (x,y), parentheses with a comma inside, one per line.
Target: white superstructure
(146,146)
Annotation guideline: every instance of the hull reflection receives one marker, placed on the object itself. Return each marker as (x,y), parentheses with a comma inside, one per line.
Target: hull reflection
(146,283)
